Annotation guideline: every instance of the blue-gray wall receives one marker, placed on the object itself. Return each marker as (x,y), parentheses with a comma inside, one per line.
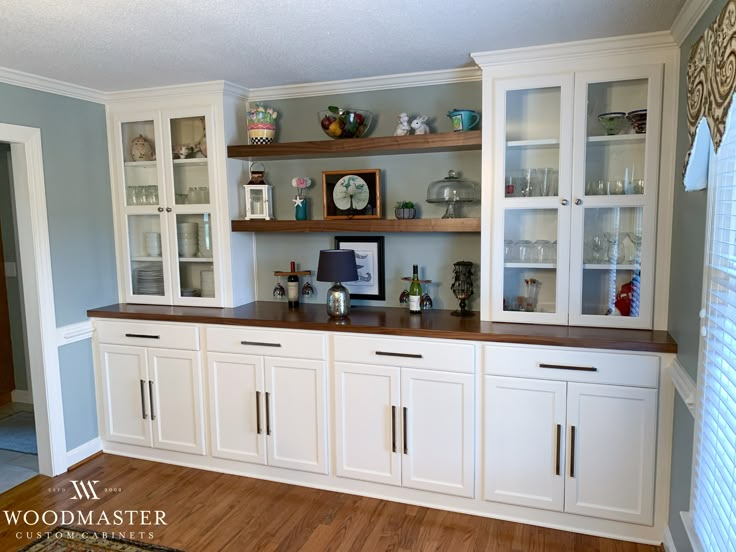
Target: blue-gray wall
(404,178)
(686,282)
(78,201)
(13,284)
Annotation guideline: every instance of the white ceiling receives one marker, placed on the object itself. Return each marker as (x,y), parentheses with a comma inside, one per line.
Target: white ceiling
(112,45)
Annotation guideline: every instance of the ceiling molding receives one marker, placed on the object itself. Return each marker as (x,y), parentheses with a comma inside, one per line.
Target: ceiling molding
(384,82)
(576,49)
(52,86)
(688,17)
(194,89)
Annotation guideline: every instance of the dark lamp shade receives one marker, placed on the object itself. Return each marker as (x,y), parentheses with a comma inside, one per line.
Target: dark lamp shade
(337,265)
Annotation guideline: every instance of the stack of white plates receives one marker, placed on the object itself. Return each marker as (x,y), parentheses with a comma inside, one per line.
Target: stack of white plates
(186,234)
(205,240)
(149,280)
(189,292)
(207,280)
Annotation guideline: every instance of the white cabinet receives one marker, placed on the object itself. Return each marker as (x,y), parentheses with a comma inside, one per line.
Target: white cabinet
(265,408)
(404,426)
(152,397)
(559,444)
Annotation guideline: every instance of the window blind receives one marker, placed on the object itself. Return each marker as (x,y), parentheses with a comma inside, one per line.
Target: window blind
(714,483)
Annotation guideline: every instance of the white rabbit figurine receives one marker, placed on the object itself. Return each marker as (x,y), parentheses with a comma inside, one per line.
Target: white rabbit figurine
(420,125)
(403,128)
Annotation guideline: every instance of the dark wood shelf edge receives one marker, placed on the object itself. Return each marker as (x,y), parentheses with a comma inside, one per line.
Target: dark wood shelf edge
(380,145)
(467,225)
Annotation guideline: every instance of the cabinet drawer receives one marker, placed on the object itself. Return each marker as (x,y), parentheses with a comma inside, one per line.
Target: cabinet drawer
(148,334)
(252,341)
(560,364)
(415,353)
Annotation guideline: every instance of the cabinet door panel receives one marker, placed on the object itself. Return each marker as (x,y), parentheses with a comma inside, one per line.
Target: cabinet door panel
(175,391)
(296,414)
(614,452)
(523,460)
(437,414)
(125,408)
(367,404)
(236,432)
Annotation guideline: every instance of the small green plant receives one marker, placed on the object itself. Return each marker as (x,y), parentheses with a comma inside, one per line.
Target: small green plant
(404,205)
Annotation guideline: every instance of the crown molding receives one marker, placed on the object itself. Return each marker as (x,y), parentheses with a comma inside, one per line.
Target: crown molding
(365,84)
(687,18)
(573,50)
(52,86)
(194,89)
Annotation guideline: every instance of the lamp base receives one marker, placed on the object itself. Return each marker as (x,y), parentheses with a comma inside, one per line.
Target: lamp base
(338,301)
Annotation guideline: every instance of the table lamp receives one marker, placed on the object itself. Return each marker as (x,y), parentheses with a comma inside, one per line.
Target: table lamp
(337,265)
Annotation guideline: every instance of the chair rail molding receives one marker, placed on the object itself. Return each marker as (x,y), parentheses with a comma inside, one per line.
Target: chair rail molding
(72,333)
(684,384)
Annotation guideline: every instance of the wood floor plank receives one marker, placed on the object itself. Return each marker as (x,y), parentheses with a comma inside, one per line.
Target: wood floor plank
(213,512)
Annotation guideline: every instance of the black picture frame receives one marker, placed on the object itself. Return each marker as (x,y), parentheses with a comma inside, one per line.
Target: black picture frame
(373,246)
(372,178)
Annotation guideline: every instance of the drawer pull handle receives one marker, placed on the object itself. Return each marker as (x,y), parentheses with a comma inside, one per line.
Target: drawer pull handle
(258,412)
(572,451)
(574,368)
(268,414)
(260,344)
(406,439)
(143,399)
(393,428)
(402,355)
(143,336)
(557,450)
(153,406)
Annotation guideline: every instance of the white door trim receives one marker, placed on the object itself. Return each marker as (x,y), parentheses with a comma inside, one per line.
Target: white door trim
(38,294)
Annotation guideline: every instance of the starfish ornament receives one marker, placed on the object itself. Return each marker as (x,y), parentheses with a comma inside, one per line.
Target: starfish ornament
(298,201)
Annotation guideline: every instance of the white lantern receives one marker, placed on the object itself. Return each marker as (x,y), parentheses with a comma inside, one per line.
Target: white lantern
(258,201)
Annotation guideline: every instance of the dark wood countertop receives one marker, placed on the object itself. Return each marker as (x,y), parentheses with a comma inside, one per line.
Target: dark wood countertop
(398,321)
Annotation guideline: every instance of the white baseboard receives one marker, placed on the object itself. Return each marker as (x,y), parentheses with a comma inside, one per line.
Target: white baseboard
(669,544)
(21,396)
(83,451)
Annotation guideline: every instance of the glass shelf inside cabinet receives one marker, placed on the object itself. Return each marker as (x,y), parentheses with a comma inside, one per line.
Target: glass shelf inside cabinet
(532,142)
(191,173)
(146,262)
(612,261)
(194,249)
(139,163)
(530,260)
(616,138)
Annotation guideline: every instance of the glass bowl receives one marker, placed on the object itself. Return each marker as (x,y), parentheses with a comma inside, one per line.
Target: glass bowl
(345,123)
(613,122)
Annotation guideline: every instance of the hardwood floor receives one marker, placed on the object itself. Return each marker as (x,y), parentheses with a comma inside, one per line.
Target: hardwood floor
(212,512)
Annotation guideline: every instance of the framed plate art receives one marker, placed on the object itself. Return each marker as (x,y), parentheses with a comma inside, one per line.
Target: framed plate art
(350,194)
(371,282)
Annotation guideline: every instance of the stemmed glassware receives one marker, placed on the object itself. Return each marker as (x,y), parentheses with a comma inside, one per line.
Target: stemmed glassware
(278,290)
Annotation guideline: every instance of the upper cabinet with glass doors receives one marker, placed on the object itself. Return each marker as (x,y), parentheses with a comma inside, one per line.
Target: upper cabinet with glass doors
(574,197)
(166,211)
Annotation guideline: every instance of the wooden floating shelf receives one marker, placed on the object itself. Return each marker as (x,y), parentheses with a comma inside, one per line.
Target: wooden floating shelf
(353,147)
(372,225)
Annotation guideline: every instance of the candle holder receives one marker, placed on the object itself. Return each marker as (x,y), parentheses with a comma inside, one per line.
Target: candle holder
(462,286)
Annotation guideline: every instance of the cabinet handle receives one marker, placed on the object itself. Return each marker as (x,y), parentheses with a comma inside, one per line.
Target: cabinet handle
(557,450)
(575,368)
(168,209)
(572,451)
(150,394)
(260,344)
(143,399)
(143,336)
(258,412)
(393,428)
(160,209)
(406,441)
(268,414)
(564,202)
(402,355)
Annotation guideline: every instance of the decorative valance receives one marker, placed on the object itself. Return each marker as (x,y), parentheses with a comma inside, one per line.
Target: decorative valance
(711,83)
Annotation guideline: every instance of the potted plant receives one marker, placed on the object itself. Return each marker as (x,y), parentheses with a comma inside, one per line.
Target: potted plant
(405,210)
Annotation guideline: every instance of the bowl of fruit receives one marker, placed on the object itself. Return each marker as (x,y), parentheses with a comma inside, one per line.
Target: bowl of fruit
(337,122)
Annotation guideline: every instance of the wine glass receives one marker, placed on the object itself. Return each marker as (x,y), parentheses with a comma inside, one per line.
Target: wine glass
(612,239)
(596,249)
(636,240)
(278,289)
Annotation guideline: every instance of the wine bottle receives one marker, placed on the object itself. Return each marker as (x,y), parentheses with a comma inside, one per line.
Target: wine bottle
(292,288)
(415,292)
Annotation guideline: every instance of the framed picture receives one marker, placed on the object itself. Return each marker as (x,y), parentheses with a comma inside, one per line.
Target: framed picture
(350,194)
(371,283)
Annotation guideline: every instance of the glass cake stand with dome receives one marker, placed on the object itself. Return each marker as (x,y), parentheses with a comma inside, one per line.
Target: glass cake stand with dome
(454,191)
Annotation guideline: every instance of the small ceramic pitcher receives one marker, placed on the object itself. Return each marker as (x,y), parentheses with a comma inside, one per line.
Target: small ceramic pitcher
(463,119)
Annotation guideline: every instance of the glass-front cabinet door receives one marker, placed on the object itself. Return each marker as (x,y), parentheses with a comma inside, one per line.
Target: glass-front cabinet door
(168,208)
(531,191)
(615,178)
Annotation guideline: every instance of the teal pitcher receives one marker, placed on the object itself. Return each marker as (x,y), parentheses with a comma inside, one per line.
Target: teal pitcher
(463,119)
